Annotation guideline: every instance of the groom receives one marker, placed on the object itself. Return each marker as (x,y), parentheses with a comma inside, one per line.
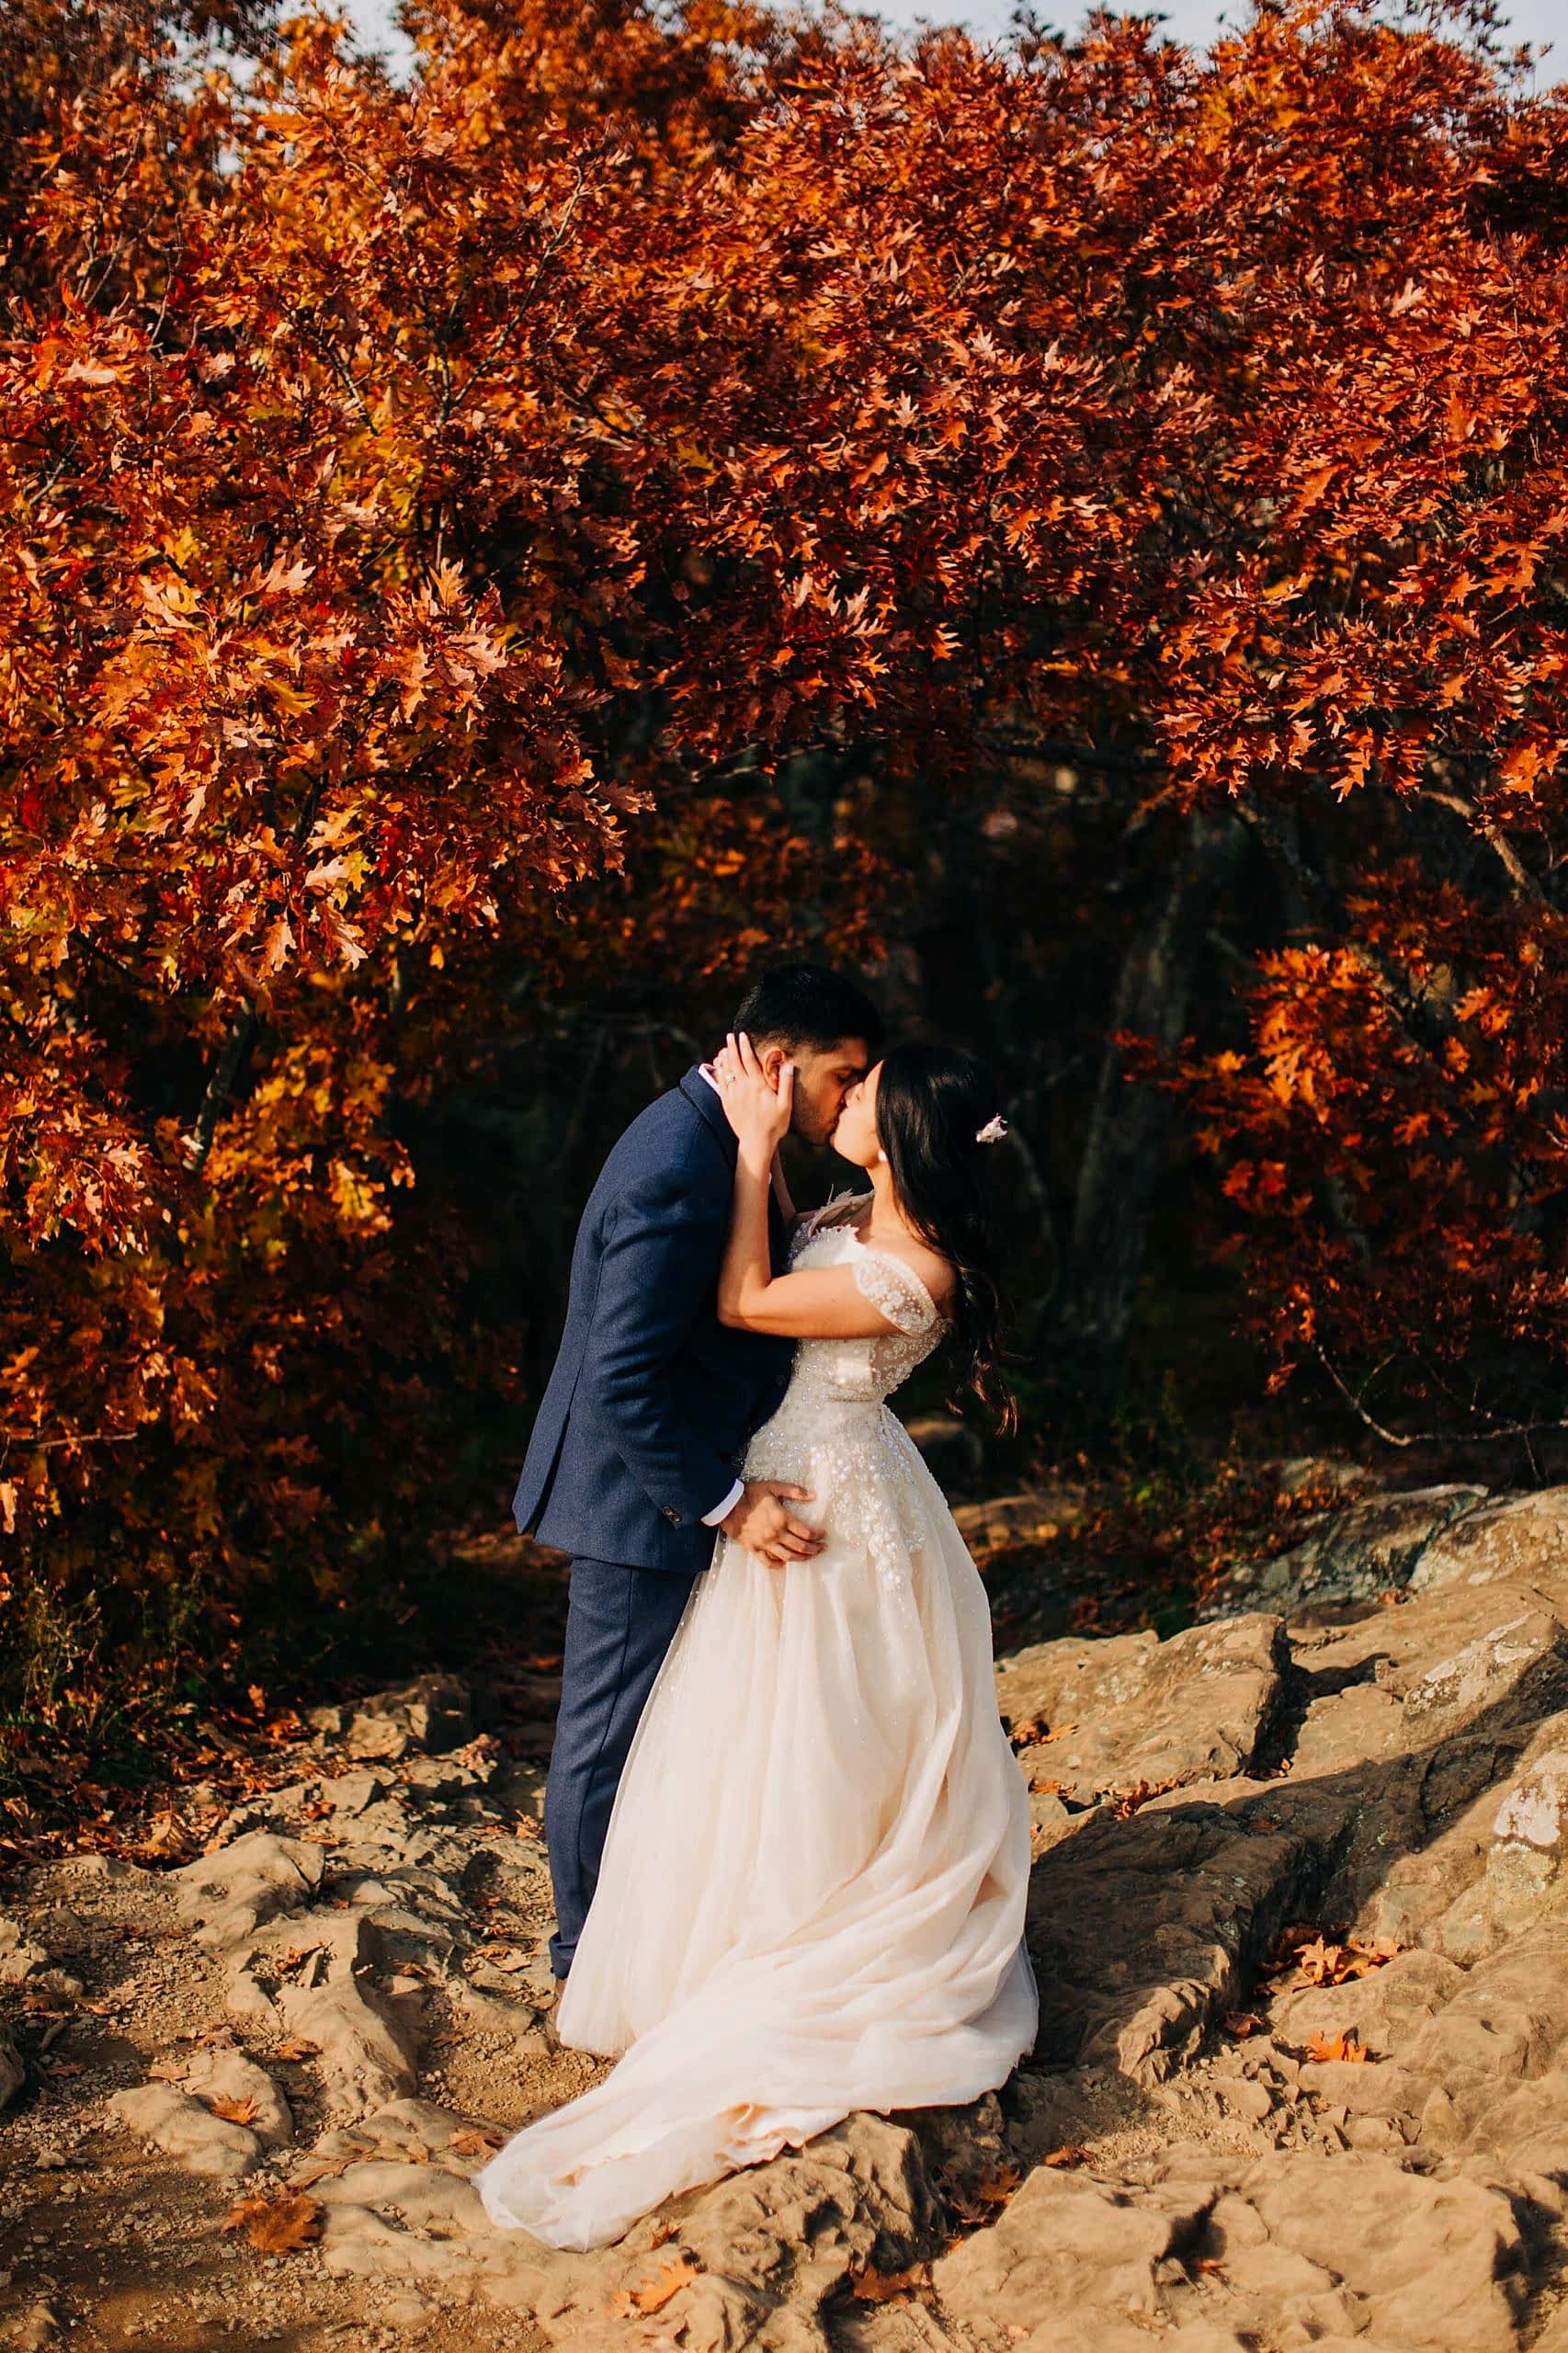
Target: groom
(631,1466)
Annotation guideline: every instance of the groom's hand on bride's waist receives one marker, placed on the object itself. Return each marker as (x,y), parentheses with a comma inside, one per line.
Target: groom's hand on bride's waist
(760,1523)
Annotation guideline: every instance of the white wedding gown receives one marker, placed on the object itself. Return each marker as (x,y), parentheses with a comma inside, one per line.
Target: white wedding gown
(812,1894)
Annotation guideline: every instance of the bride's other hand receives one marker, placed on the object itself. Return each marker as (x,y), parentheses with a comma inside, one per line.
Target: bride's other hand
(758,1114)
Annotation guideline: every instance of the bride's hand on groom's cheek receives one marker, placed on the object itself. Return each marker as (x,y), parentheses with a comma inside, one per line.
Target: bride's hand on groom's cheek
(759,1112)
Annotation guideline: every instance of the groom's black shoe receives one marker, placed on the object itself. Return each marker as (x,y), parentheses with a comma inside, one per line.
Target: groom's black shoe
(547,2014)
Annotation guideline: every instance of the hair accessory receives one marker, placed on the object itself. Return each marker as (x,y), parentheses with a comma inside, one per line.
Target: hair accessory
(994,1130)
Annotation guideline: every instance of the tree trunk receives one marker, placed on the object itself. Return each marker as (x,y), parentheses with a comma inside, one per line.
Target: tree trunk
(1124,1150)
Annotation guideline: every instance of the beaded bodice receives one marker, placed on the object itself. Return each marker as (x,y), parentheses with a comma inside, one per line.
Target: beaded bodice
(862,1371)
(835,1434)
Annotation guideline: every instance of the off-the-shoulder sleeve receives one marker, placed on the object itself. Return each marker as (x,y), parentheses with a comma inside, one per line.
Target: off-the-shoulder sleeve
(894,1289)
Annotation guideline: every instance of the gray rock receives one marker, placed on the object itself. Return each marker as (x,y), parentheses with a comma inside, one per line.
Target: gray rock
(1143,1930)
(1514,1673)
(1301,1473)
(185,2130)
(366,2053)
(13,2074)
(21,1956)
(1351,1555)
(1035,1515)
(227,2074)
(774,2246)
(430,1714)
(1131,1707)
(1412,2263)
(228,1893)
(1517,1538)
(1068,2245)
(354,1793)
(36,2325)
(1522,1883)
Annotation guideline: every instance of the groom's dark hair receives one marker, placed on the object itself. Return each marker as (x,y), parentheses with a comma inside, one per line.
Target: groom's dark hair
(805,1005)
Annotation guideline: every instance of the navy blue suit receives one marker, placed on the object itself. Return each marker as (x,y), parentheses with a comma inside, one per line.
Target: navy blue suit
(639,1432)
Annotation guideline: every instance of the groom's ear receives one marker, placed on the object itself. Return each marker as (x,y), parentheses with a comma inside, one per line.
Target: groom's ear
(773,1060)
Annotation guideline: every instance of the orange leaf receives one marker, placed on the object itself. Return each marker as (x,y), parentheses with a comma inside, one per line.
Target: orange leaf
(235,2111)
(296,2047)
(277,2225)
(1342,2045)
(872,2287)
(996,2187)
(652,2294)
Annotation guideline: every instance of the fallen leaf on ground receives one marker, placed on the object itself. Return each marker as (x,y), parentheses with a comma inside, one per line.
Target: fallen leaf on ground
(652,2294)
(1342,2045)
(1241,2022)
(477,2140)
(1124,1801)
(278,2225)
(1072,2153)
(296,2047)
(1324,1958)
(1036,1731)
(507,1957)
(995,2187)
(313,2170)
(976,2202)
(235,2111)
(872,2287)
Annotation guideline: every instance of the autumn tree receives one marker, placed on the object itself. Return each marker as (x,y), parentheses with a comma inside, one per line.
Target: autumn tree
(481,562)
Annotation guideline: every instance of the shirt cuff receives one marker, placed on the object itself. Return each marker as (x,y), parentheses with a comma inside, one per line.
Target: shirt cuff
(711,1519)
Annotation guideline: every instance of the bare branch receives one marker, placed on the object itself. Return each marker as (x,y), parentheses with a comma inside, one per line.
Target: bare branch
(1425,1437)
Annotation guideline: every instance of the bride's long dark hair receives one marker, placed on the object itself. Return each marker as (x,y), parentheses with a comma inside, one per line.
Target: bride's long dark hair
(931,1101)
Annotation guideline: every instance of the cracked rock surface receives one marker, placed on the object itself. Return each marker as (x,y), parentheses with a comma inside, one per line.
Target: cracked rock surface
(1299,1915)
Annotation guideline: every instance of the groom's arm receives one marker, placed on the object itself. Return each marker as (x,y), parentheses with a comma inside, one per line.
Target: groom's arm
(658,1263)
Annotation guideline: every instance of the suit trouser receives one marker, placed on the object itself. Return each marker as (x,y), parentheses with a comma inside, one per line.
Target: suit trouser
(620,1623)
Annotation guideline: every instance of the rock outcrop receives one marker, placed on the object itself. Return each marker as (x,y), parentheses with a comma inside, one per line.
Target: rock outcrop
(1300,1915)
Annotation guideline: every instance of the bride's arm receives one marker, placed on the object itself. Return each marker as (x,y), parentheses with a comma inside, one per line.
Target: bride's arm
(818,1304)
(822,1303)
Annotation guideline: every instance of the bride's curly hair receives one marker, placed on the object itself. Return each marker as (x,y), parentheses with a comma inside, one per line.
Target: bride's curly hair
(931,1102)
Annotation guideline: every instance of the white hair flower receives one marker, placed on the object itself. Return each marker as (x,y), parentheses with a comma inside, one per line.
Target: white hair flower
(994,1130)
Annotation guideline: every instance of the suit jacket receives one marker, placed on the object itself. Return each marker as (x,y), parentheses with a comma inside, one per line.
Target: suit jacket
(651,1398)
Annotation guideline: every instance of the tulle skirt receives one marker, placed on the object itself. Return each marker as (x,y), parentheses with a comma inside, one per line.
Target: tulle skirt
(812,1890)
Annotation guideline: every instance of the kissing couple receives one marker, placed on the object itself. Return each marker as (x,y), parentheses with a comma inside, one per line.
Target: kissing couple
(789,1841)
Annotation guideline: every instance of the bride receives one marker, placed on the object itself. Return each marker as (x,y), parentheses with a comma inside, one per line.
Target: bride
(812,1895)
